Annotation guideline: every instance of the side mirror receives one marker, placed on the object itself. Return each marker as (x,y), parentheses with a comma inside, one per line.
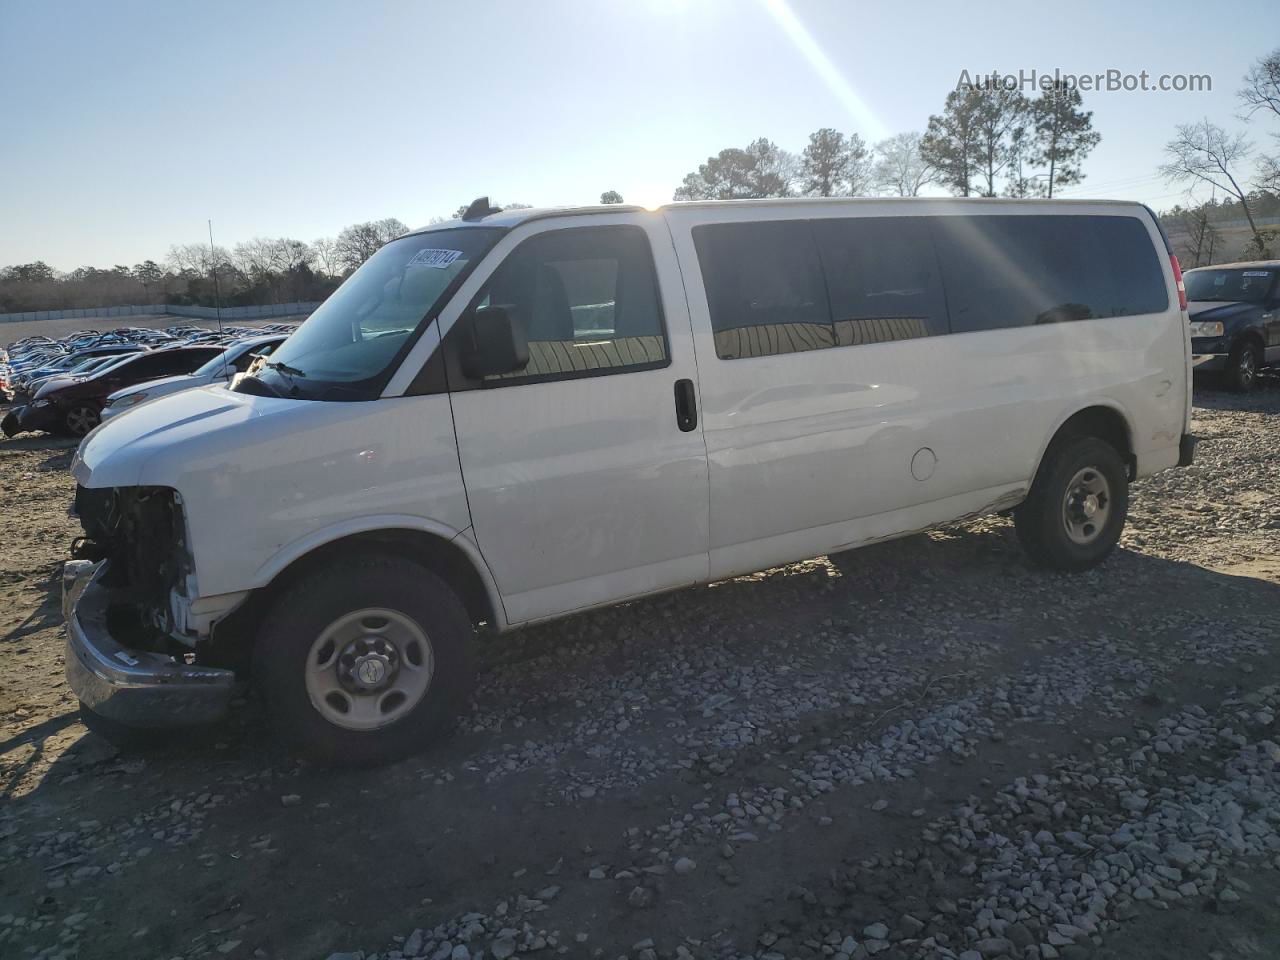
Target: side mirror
(494,343)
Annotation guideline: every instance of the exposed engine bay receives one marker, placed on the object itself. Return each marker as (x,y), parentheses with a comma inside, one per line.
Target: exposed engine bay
(141,533)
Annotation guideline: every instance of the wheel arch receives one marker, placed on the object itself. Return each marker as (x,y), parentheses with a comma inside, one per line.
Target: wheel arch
(447,553)
(1104,420)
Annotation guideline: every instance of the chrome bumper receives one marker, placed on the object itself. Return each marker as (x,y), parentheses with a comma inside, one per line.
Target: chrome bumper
(135,688)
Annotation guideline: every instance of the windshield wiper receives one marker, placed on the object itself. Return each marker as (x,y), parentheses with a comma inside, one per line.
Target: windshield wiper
(285,368)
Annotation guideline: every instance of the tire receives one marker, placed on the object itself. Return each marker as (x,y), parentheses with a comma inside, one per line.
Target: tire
(80,418)
(355,622)
(1053,523)
(1242,366)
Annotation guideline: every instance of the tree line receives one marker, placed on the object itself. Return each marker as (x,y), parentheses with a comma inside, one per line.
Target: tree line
(258,271)
(985,142)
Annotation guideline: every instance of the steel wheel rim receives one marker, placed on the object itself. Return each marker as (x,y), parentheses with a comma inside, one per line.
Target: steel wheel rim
(1086,505)
(369,668)
(81,420)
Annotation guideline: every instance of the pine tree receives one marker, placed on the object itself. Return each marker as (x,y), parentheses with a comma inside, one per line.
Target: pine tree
(1064,135)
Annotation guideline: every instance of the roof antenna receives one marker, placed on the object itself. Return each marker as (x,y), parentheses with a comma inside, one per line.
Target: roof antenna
(478,210)
(217,297)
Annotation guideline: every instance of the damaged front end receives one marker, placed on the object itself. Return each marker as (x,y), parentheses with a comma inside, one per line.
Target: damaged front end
(132,655)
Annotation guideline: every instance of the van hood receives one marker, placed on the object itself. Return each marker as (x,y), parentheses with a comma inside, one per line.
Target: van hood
(156,442)
(161,387)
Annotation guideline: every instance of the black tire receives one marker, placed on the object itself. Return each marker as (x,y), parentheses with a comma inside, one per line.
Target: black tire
(79,418)
(308,607)
(1041,519)
(1242,366)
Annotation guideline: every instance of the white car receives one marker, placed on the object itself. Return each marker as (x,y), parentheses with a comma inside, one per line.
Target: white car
(235,359)
(516,416)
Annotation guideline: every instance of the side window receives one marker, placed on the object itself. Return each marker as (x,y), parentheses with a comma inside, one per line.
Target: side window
(589,301)
(765,288)
(1004,271)
(883,279)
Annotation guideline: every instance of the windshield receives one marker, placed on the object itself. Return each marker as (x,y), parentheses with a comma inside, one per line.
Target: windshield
(235,358)
(347,349)
(1250,286)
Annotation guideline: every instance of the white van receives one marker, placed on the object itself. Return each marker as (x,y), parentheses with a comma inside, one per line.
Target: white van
(517,416)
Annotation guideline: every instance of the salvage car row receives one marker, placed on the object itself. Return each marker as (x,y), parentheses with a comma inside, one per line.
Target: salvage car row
(70,385)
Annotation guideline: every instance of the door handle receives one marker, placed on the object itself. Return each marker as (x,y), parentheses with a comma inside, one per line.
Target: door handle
(686,406)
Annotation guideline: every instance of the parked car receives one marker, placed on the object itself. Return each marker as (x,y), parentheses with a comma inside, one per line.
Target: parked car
(73,405)
(523,414)
(1235,320)
(221,368)
(66,362)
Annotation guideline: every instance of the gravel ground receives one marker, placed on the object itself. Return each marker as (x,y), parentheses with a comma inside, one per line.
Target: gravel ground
(921,749)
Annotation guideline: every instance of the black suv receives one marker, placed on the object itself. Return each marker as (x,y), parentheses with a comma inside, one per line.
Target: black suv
(1235,319)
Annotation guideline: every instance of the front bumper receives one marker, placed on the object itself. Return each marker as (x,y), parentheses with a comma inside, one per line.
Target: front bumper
(21,419)
(135,688)
(1208,362)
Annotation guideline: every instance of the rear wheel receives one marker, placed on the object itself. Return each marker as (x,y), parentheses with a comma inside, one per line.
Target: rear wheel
(364,662)
(1075,512)
(1242,366)
(80,418)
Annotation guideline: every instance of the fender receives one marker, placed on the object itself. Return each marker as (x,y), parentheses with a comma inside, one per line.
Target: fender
(299,548)
(1080,405)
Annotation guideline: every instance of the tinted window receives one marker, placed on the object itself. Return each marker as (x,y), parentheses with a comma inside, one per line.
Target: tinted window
(168,363)
(765,288)
(588,299)
(1012,271)
(882,277)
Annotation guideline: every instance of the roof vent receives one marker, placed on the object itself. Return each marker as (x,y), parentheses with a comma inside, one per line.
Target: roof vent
(479,209)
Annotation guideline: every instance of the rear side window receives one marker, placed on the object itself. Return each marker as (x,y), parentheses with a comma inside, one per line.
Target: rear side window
(883,279)
(765,288)
(589,301)
(1015,271)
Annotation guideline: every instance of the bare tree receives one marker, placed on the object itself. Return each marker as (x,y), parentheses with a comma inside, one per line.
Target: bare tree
(326,253)
(900,169)
(198,258)
(1205,153)
(360,241)
(1261,90)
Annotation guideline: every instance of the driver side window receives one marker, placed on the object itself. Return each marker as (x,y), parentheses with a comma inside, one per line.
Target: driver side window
(588,299)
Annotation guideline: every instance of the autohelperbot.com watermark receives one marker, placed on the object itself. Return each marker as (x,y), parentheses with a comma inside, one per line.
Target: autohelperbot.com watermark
(1108,81)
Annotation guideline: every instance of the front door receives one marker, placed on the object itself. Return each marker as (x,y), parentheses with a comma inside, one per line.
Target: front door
(585,486)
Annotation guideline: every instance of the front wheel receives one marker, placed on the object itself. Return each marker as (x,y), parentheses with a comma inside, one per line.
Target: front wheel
(364,662)
(1077,506)
(1242,366)
(80,418)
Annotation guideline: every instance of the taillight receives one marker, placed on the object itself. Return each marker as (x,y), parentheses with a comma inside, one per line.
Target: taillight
(1177,279)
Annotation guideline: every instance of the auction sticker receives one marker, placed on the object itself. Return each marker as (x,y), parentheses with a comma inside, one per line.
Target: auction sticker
(434,258)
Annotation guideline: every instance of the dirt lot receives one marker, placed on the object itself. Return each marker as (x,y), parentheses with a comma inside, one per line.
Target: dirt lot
(926,749)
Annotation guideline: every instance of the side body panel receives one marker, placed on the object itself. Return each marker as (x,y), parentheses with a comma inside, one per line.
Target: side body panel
(811,452)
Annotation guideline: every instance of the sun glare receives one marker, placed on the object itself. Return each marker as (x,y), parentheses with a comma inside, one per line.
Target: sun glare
(864,119)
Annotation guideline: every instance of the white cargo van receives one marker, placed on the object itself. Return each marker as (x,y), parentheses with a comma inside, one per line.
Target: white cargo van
(516,416)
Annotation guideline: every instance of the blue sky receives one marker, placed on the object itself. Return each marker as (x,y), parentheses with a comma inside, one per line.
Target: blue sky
(129,123)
